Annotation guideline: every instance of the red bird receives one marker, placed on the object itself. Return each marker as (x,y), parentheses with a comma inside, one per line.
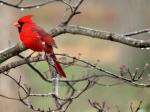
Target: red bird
(35,38)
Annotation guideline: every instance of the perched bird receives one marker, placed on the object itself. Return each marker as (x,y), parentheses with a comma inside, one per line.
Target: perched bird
(35,38)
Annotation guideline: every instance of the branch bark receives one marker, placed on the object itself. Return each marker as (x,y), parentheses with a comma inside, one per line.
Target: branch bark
(14,50)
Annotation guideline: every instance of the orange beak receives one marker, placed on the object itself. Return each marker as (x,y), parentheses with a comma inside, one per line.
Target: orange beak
(17,24)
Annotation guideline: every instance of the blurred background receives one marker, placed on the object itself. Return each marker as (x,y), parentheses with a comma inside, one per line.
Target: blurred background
(120,16)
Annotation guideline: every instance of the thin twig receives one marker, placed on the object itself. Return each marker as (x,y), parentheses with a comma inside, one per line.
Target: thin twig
(73,13)
(26,7)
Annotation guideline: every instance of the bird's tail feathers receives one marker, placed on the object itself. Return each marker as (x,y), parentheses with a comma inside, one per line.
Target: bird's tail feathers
(58,67)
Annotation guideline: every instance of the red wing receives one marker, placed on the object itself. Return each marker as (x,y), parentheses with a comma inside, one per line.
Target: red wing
(44,36)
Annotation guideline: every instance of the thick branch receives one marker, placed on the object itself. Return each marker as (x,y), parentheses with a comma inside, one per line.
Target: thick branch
(10,52)
(106,36)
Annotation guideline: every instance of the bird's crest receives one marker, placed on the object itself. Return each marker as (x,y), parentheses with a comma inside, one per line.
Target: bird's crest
(26,18)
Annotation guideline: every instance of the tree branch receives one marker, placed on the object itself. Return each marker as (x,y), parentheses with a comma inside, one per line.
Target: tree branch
(73,12)
(25,7)
(10,52)
(14,50)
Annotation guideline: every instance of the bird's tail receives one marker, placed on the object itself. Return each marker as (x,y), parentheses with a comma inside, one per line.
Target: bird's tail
(58,67)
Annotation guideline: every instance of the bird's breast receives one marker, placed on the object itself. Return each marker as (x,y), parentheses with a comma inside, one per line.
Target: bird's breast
(32,42)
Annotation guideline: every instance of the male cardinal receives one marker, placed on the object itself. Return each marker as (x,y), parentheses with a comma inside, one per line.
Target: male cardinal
(35,38)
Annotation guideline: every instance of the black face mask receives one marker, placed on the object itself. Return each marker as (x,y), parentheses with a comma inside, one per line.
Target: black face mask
(21,25)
